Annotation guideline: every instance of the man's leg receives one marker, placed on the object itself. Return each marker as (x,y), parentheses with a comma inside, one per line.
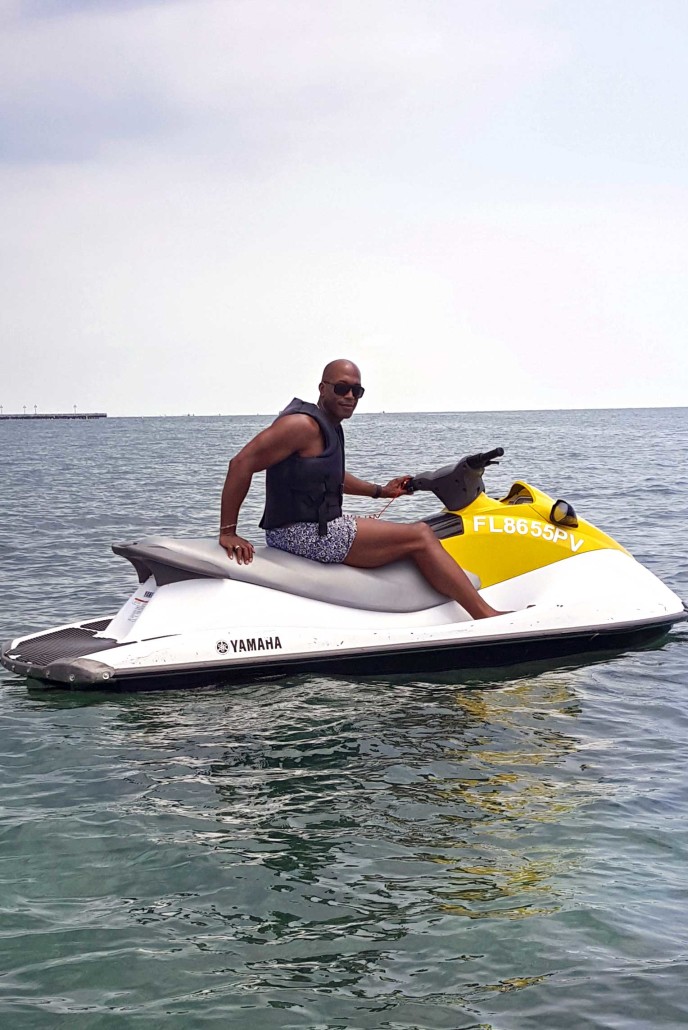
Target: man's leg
(379,543)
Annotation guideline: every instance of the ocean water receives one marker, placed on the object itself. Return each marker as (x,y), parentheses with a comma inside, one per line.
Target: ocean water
(483,851)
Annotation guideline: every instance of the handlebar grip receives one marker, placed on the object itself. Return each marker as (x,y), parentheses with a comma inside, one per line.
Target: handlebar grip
(481,461)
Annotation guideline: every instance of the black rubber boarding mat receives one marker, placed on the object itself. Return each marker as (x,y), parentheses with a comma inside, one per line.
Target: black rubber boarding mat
(446,524)
(62,645)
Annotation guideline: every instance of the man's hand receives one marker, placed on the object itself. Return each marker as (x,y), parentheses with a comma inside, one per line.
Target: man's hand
(396,487)
(237,547)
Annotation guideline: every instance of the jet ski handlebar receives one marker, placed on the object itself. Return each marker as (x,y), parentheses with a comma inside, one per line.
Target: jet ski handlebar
(459,484)
(481,461)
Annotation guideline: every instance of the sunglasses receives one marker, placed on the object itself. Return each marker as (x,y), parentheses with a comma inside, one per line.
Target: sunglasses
(341,389)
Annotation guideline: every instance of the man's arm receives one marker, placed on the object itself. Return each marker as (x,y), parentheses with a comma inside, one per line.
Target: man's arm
(360,488)
(284,437)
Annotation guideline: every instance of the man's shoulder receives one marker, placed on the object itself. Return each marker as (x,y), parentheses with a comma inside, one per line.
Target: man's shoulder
(298,407)
(299,418)
(298,424)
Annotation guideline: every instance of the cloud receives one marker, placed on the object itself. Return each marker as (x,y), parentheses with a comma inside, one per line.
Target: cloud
(69,85)
(201,201)
(249,79)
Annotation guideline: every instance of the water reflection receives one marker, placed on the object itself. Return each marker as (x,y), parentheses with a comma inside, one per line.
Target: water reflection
(435,801)
(337,828)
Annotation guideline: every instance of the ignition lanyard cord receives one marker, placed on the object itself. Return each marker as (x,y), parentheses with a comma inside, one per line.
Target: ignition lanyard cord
(382,511)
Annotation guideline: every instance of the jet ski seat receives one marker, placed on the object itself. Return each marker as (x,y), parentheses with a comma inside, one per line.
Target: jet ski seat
(398,587)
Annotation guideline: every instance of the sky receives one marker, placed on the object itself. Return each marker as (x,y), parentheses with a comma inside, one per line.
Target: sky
(483,203)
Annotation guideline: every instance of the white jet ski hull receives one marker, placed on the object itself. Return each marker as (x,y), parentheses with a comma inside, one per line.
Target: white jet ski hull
(201,628)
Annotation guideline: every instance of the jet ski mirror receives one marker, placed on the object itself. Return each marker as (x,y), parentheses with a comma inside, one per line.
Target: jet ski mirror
(458,485)
(563,514)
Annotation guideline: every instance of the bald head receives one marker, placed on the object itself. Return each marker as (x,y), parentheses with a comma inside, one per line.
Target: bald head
(341,367)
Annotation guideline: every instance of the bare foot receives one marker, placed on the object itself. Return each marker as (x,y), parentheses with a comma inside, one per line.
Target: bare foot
(492,614)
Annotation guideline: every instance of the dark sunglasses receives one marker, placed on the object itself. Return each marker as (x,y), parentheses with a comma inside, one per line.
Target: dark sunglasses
(341,389)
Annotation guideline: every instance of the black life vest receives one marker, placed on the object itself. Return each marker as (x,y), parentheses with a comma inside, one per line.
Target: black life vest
(306,489)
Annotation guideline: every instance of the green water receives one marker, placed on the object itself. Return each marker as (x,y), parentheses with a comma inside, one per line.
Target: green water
(476,851)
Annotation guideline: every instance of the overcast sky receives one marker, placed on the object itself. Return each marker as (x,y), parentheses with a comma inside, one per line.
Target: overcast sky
(482,202)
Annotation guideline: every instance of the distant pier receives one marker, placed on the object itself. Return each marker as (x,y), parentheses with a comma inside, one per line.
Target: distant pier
(54,415)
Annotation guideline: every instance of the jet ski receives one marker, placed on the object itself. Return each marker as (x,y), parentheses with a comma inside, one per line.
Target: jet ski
(196,617)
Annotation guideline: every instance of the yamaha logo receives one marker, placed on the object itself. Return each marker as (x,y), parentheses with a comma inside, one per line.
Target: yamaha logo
(222,646)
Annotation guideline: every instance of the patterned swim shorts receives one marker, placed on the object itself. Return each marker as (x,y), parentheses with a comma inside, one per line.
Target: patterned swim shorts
(302,538)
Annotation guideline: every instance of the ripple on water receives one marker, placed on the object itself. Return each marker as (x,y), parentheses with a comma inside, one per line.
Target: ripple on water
(473,851)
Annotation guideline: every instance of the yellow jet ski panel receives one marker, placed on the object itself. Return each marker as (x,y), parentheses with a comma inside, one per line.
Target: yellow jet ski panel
(505,538)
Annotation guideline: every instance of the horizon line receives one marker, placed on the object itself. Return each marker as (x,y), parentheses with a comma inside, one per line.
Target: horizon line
(420,411)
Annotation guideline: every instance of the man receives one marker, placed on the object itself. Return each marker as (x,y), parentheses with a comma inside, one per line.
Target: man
(303,453)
